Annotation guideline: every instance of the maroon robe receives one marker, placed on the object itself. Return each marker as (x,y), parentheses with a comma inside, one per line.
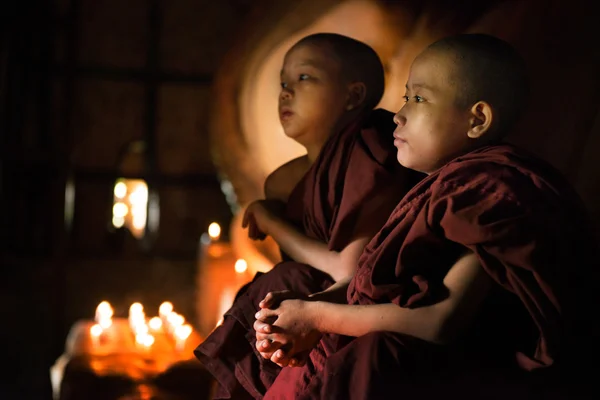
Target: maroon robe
(528,228)
(356,172)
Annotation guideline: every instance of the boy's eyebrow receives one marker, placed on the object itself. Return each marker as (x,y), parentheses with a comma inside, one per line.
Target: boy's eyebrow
(306,63)
(420,86)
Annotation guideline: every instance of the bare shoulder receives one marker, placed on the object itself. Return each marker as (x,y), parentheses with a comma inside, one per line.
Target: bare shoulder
(280,183)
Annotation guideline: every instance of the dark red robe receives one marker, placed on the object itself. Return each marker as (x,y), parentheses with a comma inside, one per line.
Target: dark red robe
(530,232)
(356,171)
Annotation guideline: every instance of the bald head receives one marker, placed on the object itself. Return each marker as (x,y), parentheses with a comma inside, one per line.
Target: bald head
(358,62)
(487,69)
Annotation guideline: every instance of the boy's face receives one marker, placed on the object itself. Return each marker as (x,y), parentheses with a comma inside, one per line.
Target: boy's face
(431,130)
(313,94)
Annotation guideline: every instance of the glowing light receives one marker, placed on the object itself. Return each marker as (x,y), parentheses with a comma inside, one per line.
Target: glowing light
(165,308)
(130,206)
(136,308)
(120,210)
(145,339)
(214,231)
(118,222)
(155,323)
(139,220)
(96,330)
(183,332)
(139,195)
(104,310)
(175,319)
(105,323)
(241,266)
(120,190)
(104,313)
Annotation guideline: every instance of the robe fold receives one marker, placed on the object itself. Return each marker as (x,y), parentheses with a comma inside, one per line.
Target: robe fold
(356,174)
(535,332)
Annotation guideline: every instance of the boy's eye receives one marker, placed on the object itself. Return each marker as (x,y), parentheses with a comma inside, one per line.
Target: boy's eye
(283,85)
(303,77)
(405,98)
(418,99)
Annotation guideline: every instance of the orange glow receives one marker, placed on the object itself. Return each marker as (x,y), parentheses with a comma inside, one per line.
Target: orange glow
(241,266)
(130,205)
(214,231)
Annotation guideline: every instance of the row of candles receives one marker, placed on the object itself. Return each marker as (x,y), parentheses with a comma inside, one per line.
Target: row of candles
(143,329)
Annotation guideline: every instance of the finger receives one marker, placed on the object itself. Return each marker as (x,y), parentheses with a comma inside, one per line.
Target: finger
(267,348)
(266,314)
(245,218)
(261,327)
(267,301)
(280,358)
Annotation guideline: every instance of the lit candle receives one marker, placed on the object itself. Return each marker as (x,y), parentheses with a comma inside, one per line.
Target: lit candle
(155,323)
(95,332)
(104,313)
(144,340)
(241,266)
(165,309)
(181,334)
(174,320)
(137,318)
(214,231)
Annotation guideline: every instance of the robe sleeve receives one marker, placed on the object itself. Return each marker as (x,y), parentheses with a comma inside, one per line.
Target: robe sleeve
(373,183)
(522,238)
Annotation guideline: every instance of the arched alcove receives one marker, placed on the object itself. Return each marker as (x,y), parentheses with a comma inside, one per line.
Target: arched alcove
(560,126)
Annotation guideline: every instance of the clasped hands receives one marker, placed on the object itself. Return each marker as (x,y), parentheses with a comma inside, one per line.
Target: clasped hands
(286,328)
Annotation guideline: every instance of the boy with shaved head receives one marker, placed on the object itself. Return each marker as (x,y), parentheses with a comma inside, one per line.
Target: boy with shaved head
(335,198)
(415,317)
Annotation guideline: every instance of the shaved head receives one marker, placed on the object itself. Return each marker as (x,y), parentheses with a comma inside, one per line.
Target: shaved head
(487,69)
(358,62)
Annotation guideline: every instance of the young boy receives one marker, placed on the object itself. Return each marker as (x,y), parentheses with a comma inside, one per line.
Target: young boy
(415,317)
(336,197)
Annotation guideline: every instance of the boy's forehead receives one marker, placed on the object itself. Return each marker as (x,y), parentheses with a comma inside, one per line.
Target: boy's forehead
(430,70)
(309,54)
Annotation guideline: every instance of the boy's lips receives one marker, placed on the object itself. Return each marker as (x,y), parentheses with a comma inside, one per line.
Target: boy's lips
(398,139)
(285,113)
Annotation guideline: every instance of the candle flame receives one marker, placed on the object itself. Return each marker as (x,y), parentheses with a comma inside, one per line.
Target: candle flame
(144,339)
(120,190)
(104,309)
(214,231)
(183,332)
(241,266)
(136,308)
(105,323)
(165,308)
(155,323)
(175,319)
(96,330)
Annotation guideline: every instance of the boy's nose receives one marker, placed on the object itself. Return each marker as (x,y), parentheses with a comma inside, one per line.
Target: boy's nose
(286,93)
(399,118)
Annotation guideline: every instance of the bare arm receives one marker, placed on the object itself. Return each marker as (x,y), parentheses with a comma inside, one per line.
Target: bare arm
(467,283)
(305,250)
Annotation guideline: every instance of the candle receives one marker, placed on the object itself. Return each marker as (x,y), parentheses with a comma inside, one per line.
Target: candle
(137,318)
(240,266)
(173,321)
(155,323)
(181,334)
(95,332)
(144,340)
(104,313)
(214,231)
(165,309)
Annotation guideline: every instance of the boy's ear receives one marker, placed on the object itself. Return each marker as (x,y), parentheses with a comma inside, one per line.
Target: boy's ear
(357,92)
(481,119)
